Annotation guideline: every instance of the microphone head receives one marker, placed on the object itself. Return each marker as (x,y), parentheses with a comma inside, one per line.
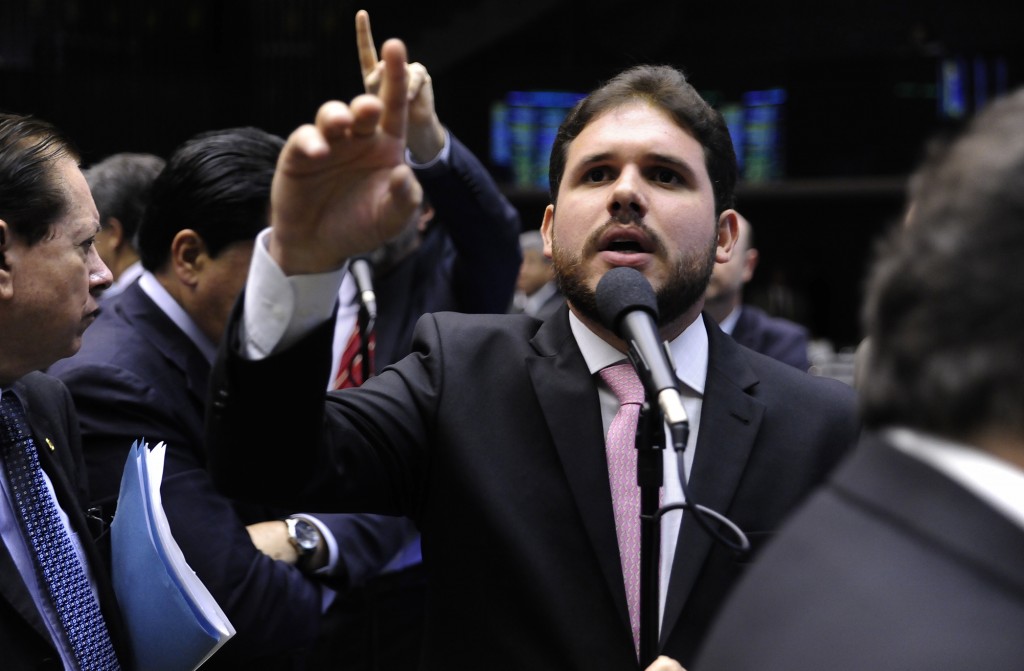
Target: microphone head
(623,290)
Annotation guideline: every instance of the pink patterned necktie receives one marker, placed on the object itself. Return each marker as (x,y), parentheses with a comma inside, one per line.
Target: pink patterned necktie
(620,449)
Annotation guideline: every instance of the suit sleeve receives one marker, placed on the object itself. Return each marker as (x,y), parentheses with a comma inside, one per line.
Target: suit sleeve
(360,449)
(366,543)
(272,605)
(483,226)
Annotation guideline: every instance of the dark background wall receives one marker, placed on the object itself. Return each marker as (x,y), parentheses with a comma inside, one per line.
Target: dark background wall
(143,75)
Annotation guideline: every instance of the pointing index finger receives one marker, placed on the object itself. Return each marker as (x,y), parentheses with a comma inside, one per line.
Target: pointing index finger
(364,43)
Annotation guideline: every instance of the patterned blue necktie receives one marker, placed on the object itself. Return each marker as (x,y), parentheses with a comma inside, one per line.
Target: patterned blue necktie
(55,556)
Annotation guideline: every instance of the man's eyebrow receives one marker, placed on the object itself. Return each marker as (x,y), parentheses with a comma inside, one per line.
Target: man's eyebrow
(678,164)
(86,233)
(663,159)
(595,158)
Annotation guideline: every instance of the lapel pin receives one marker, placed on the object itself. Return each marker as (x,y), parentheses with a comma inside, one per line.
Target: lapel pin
(50,443)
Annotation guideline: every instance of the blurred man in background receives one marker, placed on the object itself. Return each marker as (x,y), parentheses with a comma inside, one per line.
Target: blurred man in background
(749,325)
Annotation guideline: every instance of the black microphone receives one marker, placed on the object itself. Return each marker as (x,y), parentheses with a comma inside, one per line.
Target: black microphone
(628,307)
(362,272)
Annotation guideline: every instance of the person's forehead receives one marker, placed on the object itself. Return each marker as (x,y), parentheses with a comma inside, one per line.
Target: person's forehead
(638,113)
(80,209)
(636,123)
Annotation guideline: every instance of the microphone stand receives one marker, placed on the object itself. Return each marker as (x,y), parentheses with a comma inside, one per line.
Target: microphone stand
(366,325)
(650,441)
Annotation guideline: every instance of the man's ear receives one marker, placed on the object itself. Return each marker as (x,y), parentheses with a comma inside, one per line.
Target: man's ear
(728,234)
(188,256)
(110,240)
(116,233)
(425,217)
(6,279)
(546,231)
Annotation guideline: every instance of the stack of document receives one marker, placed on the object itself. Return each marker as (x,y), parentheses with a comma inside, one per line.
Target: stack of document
(173,621)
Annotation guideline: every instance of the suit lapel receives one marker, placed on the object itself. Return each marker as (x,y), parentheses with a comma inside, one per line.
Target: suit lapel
(729,422)
(398,293)
(12,586)
(143,314)
(56,458)
(915,496)
(556,373)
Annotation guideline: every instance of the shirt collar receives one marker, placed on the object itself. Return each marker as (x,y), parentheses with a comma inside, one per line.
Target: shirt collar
(728,324)
(990,478)
(170,307)
(689,352)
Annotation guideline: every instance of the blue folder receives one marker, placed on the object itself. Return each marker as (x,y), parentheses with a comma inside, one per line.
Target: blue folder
(172,620)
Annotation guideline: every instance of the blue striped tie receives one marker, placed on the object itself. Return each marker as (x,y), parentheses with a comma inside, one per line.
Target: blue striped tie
(55,556)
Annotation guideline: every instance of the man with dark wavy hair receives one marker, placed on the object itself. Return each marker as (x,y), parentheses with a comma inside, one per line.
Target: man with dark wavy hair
(491,434)
(143,371)
(57,606)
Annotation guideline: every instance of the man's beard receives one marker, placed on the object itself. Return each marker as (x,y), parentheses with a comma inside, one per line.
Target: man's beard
(686,283)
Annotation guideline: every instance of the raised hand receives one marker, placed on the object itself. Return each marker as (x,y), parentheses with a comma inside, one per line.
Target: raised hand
(341,186)
(425,135)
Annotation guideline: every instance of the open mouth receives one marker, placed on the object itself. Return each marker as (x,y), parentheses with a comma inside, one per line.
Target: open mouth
(626,240)
(625,246)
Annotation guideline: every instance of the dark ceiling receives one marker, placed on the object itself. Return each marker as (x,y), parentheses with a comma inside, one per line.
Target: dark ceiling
(144,75)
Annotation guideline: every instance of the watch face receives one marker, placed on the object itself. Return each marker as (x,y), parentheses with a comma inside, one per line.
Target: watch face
(306,535)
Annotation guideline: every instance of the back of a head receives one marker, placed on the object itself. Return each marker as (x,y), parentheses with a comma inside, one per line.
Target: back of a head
(31,197)
(665,88)
(120,185)
(945,306)
(217,184)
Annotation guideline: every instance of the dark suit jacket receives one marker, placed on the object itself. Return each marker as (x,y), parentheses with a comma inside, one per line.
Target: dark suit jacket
(778,338)
(138,375)
(468,261)
(489,435)
(24,639)
(891,566)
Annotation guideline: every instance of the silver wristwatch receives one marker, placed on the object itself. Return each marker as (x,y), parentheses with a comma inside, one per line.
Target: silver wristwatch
(304,537)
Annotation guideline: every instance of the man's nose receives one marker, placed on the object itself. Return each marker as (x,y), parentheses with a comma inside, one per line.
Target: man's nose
(628,201)
(100,277)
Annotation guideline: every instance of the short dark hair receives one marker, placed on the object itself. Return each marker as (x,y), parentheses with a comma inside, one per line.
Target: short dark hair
(666,88)
(32,197)
(945,304)
(120,185)
(217,184)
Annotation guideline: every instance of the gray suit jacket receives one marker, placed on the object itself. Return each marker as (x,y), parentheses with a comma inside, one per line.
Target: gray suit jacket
(891,566)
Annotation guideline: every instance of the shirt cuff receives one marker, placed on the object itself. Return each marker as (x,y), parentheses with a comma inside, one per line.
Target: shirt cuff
(279,310)
(442,156)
